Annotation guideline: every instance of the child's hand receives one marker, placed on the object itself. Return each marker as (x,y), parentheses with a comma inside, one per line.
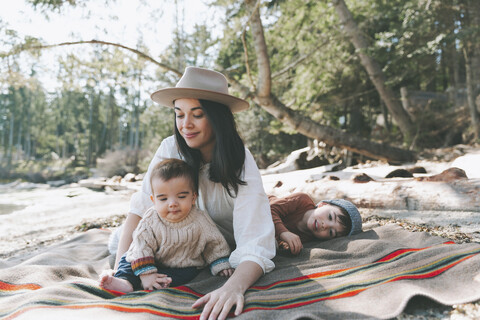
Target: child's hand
(226,272)
(293,241)
(155,281)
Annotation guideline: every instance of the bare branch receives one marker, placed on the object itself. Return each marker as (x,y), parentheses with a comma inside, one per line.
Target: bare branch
(93,41)
(298,61)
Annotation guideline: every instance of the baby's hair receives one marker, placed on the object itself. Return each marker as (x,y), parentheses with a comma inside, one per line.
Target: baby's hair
(174,168)
(343,219)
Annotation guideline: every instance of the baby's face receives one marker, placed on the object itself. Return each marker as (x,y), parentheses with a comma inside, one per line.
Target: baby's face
(324,222)
(173,199)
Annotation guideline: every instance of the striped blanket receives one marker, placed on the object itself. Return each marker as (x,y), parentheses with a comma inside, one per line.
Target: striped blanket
(371,275)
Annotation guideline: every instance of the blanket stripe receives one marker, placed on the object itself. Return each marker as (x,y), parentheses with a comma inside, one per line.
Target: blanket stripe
(10,288)
(284,294)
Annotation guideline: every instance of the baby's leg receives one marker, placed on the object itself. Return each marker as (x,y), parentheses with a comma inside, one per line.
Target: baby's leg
(109,282)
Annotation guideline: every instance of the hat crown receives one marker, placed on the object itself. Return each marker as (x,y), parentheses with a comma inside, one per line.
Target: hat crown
(201,84)
(203,79)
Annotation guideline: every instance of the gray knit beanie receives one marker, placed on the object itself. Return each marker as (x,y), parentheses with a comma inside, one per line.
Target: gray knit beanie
(352,212)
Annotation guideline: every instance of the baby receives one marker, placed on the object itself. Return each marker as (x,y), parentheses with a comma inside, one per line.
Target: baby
(174,240)
(298,220)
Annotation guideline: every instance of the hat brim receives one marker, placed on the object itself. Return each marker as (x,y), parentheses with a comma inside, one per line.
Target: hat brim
(166,97)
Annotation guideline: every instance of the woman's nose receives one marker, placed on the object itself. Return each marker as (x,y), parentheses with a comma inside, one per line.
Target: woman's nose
(188,121)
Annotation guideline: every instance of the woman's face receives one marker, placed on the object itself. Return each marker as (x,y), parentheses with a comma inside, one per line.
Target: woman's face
(194,127)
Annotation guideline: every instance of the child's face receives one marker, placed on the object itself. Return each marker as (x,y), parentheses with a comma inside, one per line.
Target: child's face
(324,223)
(173,199)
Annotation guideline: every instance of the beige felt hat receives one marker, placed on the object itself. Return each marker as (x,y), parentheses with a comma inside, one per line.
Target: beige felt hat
(199,83)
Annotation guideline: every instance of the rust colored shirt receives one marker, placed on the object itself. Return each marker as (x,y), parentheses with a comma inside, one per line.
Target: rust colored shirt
(288,211)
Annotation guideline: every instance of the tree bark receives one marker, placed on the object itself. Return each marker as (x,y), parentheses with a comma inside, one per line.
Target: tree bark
(301,124)
(374,71)
(470,91)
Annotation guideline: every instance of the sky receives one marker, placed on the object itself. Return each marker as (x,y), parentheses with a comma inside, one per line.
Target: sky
(121,21)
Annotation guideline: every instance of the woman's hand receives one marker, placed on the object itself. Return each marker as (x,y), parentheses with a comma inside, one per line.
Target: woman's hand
(293,241)
(218,303)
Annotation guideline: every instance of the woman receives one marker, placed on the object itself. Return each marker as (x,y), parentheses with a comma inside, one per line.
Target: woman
(230,186)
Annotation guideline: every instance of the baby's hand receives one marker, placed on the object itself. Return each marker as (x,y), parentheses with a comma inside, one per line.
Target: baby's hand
(293,241)
(155,281)
(226,272)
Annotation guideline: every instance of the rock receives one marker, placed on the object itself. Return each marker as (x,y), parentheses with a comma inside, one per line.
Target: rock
(115,179)
(56,183)
(362,178)
(94,184)
(417,170)
(332,178)
(310,159)
(448,175)
(139,177)
(399,173)
(338,167)
(129,177)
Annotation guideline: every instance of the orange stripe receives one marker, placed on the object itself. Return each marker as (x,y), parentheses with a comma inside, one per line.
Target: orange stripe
(15,287)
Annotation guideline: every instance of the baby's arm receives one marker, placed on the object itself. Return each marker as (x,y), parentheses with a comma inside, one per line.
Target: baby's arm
(155,281)
(293,241)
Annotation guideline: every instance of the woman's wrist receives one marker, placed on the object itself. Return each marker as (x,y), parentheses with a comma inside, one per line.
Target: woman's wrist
(245,275)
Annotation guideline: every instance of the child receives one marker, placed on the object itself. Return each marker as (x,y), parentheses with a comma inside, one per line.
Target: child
(297,220)
(174,240)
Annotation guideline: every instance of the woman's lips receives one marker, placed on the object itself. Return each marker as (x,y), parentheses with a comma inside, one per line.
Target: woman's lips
(189,135)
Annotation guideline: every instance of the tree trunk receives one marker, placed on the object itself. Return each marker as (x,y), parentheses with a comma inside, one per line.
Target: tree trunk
(301,124)
(374,71)
(10,141)
(470,91)
(474,8)
(455,73)
(90,133)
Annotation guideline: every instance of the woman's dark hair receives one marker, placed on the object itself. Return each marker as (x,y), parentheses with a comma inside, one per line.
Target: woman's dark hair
(229,152)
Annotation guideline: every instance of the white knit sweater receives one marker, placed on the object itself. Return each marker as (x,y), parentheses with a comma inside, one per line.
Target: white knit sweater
(193,242)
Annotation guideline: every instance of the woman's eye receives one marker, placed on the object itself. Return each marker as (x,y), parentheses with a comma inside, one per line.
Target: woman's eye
(198,116)
(163,199)
(329,216)
(179,116)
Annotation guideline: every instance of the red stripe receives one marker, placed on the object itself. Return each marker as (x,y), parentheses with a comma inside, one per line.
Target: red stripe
(402,251)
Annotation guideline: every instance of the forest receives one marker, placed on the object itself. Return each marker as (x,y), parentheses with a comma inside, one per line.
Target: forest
(374,79)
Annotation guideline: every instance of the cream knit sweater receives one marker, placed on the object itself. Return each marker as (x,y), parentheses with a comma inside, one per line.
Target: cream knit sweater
(193,242)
